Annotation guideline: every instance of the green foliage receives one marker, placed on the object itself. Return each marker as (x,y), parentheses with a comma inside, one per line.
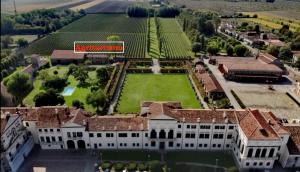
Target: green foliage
(81,75)
(97,99)
(19,85)
(102,74)
(213,48)
(119,166)
(229,50)
(78,104)
(168,12)
(196,47)
(131,166)
(274,51)
(22,42)
(113,38)
(232,169)
(137,11)
(240,50)
(55,82)
(5,41)
(48,98)
(285,53)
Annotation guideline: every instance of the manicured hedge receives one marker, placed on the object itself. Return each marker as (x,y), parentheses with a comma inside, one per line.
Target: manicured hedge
(173,70)
(138,70)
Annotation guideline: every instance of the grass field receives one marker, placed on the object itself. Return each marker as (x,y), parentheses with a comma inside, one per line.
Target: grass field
(154,49)
(80,92)
(151,87)
(175,43)
(97,27)
(273,20)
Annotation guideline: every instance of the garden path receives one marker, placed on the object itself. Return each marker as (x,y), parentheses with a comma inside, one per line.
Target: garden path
(155,66)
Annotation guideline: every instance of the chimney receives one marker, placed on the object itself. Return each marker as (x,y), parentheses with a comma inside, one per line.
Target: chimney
(7,116)
(115,128)
(84,122)
(57,116)
(269,121)
(214,120)
(198,120)
(224,115)
(129,127)
(183,119)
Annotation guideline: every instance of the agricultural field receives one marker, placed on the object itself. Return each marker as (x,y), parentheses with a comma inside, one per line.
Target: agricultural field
(277,102)
(112,6)
(79,93)
(230,7)
(174,42)
(97,27)
(29,5)
(273,20)
(153,49)
(151,87)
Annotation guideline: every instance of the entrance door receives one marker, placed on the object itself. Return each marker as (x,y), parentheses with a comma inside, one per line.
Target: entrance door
(161,145)
(81,144)
(70,144)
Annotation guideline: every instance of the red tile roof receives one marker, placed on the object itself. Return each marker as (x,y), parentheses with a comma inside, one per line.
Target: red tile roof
(117,123)
(294,141)
(66,54)
(210,82)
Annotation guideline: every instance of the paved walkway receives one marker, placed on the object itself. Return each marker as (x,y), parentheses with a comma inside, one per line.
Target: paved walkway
(155,66)
(203,103)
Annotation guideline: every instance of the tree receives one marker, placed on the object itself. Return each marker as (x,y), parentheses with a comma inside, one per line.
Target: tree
(196,47)
(78,104)
(102,74)
(72,69)
(229,50)
(240,50)
(96,99)
(213,49)
(81,75)
(5,41)
(137,11)
(7,25)
(274,51)
(209,28)
(233,169)
(43,74)
(55,83)
(22,42)
(19,85)
(48,98)
(285,53)
(257,29)
(113,38)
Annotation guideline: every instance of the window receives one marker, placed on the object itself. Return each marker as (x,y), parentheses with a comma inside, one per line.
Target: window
(263,153)
(171,144)
(40,130)
(190,135)
(133,144)
(201,136)
(42,139)
(200,145)
(218,136)
(217,127)
(146,144)
(26,124)
(242,151)
(135,135)
(125,144)
(250,151)
(255,163)
(193,126)
(204,127)
(187,145)
(109,134)
(51,130)
(206,136)
(59,138)
(231,128)
(214,145)
(247,163)
(178,135)
(257,153)
(205,145)
(99,135)
(74,134)
(153,144)
(45,130)
(179,126)
(219,145)
(271,153)
(268,163)
(112,144)
(188,126)
(193,135)
(192,145)
(68,134)
(227,145)
(137,144)
(178,144)
(91,134)
(79,134)
(48,139)
(146,134)
(260,164)
(95,146)
(108,144)
(122,134)
(58,130)
(222,127)
(229,136)
(53,139)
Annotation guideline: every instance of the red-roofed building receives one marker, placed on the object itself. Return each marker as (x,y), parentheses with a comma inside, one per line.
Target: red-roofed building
(66,57)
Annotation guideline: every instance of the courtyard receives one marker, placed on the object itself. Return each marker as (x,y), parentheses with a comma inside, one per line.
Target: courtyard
(151,87)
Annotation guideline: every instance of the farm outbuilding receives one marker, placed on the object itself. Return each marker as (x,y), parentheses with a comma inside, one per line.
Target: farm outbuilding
(66,57)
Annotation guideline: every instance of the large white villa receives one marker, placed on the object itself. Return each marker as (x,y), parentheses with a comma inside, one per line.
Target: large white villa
(256,139)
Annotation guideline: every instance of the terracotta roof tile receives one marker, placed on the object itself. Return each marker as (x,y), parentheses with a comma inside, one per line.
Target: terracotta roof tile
(66,54)
(294,141)
(210,82)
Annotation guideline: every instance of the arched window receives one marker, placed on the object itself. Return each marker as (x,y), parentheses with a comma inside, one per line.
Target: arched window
(257,153)
(153,134)
(162,134)
(171,134)
(263,153)
(250,151)
(271,154)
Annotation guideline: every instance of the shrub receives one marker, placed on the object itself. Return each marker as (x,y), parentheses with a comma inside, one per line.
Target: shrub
(137,11)
(131,166)
(55,83)
(55,72)
(240,50)
(48,98)
(106,165)
(119,166)
(168,12)
(142,167)
(78,104)
(232,169)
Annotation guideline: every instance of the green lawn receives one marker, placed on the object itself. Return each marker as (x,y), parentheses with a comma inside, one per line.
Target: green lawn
(151,87)
(154,49)
(80,93)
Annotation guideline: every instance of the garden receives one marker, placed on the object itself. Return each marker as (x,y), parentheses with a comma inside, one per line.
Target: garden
(152,87)
(76,86)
